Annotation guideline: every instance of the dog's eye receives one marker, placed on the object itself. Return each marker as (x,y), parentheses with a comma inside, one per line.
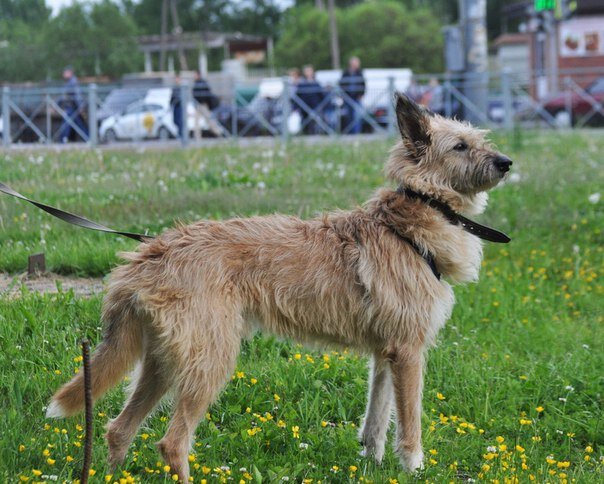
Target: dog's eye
(460,146)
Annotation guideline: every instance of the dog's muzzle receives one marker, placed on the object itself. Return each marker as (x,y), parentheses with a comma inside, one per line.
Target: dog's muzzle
(502,163)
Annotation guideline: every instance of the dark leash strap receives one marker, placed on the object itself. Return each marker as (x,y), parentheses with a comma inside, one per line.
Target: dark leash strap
(474,228)
(72,218)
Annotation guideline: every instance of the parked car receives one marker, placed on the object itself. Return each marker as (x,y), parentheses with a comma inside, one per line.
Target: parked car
(148,118)
(264,110)
(118,99)
(580,106)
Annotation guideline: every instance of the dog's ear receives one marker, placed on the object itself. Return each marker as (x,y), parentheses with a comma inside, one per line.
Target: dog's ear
(413,123)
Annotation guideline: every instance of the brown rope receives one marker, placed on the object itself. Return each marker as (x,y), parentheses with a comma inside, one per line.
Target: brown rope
(89,424)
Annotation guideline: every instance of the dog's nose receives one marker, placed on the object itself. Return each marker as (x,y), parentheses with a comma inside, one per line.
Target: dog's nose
(503,163)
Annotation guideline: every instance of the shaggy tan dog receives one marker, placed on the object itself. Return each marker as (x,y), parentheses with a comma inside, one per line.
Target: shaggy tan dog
(367,278)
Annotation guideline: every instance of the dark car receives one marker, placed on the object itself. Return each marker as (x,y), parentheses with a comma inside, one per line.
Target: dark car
(580,105)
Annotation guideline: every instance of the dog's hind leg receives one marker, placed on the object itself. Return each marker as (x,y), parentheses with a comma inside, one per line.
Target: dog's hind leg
(407,377)
(151,386)
(204,372)
(377,415)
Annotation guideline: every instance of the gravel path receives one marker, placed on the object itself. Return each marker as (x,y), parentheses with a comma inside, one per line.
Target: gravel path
(11,285)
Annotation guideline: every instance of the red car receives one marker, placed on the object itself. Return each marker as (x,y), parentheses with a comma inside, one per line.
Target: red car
(580,105)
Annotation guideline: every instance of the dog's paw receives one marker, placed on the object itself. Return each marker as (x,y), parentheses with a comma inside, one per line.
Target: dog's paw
(412,460)
(373,449)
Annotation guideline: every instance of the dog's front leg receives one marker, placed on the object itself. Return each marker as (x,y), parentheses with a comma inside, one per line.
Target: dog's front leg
(377,415)
(407,368)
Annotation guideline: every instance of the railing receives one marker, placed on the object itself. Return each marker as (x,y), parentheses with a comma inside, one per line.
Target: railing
(108,114)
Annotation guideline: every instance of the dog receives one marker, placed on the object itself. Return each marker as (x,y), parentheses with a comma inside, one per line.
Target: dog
(371,278)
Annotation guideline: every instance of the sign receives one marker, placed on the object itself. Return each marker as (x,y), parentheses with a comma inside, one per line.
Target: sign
(582,37)
(541,5)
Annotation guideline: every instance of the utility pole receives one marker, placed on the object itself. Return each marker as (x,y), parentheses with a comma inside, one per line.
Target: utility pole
(176,30)
(473,24)
(333,34)
(164,32)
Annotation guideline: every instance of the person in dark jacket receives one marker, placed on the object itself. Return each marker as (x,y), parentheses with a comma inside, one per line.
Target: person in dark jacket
(352,83)
(176,103)
(310,95)
(72,102)
(206,103)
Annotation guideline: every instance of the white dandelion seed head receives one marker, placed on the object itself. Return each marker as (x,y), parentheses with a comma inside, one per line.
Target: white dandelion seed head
(570,388)
(491,448)
(514,177)
(562,399)
(586,347)
(594,197)
(303,445)
(261,185)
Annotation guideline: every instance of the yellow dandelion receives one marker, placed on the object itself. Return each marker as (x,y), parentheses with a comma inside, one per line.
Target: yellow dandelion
(166,468)
(276,397)
(486,467)
(175,477)
(108,477)
(499,439)
(91,472)
(21,448)
(433,451)
(519,448)
(589,449)
(206,470)
(36,472)
(192,457)
(540,409)
(50,462)
(563,465)
(440,396)
(69,458)
(253,381)
(296,431)
(352,468)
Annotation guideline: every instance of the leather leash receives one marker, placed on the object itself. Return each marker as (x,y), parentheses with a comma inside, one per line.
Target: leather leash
(73,218)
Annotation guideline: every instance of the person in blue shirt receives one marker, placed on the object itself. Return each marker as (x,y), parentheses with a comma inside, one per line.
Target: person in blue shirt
(310,96)
(72,102)
(352,83)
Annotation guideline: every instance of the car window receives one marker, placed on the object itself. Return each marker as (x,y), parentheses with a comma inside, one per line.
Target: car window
(597,87)
(134,108)
(152,107)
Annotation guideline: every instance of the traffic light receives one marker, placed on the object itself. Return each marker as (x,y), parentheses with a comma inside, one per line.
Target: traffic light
(541,5)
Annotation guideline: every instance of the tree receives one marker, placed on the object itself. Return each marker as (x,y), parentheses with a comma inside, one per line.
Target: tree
(382,34)
(305,38)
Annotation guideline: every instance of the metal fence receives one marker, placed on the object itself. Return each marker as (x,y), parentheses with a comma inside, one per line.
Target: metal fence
(112,113)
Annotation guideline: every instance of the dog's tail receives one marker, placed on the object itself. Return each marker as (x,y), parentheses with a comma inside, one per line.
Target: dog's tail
(117,353)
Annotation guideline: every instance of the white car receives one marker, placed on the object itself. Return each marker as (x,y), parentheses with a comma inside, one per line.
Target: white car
(151,117)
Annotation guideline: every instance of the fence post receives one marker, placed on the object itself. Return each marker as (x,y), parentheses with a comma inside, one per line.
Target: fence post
(6,138)
(390,105)
(184,102)
(508,106)
(92,115)
(568,100)
(286,96)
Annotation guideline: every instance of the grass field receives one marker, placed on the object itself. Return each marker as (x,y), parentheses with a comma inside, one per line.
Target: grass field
(514,390)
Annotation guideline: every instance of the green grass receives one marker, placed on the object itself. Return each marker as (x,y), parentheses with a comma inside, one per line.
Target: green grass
(528,335)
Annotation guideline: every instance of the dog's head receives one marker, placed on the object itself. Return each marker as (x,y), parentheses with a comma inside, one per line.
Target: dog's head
(444,158)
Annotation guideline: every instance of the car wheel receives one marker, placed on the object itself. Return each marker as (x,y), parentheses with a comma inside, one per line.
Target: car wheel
(163,134)
(563,119)
(110,136)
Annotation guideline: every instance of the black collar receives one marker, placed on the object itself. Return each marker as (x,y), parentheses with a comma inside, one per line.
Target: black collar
(474,228)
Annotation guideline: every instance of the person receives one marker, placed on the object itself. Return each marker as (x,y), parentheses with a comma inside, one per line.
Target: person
(206,102)
(310,96)
(352,84)
(176,103)
(72,102)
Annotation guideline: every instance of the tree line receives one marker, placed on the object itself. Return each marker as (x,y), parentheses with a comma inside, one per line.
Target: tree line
(99,39)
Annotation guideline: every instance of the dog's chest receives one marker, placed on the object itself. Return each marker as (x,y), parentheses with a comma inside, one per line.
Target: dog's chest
(459,258)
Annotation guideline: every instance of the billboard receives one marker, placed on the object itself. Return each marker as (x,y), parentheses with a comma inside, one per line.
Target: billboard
(581,37)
